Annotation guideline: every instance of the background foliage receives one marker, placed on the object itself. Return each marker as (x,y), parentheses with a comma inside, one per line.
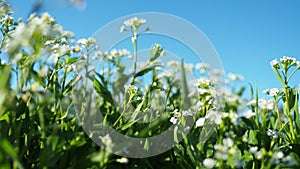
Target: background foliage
(42,65)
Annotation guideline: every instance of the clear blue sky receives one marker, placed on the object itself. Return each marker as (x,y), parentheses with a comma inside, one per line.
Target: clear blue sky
(246,34)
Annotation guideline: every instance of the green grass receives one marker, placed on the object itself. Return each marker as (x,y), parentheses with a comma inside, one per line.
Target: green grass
(49,120)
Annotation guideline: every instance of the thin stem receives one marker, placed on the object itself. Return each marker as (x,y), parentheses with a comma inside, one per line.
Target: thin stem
(292,74)
(134,55)
(279,77)
(287,112)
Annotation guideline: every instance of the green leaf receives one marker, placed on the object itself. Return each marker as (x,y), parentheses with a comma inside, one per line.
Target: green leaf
(145,70)
(4,85)
(250,125)
(186,101)
(9,150)
(176,134)
(253,137)
(102,91)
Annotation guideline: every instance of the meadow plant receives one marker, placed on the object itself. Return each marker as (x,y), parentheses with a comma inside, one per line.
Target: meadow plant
(45,71)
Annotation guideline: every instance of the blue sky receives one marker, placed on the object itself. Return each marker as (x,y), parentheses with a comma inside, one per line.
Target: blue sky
(246,34)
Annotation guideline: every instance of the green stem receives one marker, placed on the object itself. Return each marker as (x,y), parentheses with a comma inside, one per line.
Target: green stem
(134,54)
(125,107)
(292,75)
(279,77)
(288,113)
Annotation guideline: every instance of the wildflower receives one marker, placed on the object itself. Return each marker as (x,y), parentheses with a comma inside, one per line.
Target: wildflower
(68,34)
(188,113)
(36,87)
(228,142)
(106,140)
(124,52)
(3,62)
(209,163)
(176,113)
(123,28)
(274,92)
(76,49)
(200,122)
(82,41)
(113,52)
(260,154)
(253,150)
(172,63)
(134,22)
(202,83)
(43,71)
(252,103)
(276,157)
(173,120)
(214,116)
(96,55)
(202,91)
(122,160)
(266,104)
(247,114)
(275,64)
(221,152)
(235,77)
(131,89)
(202,66)
(285,60)
(272,133)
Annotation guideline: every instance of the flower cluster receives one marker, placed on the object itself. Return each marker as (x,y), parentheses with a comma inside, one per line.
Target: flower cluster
(272,91)
(133,23)
(286,62)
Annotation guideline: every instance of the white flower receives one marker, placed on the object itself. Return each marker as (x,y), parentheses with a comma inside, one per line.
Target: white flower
(202,91)
(271,92)
(122,29)
(214,116)
(235,77)
(106,140)
(209,163)
(188,113)
(274,92)
(288,60)
(82,41)
(173,120)
(247,114)
(3,62)
(134,22)
(113,52)
(200,122)
(253,150)
(266,104)
(189,67)
(274,63)
(266,91)
(122,160)
(132,89)
(272,133)
(202,82)
(43,71)
(124,52)
(36,87)
(68,34)
(200,66)
(252,103)
(228,142)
